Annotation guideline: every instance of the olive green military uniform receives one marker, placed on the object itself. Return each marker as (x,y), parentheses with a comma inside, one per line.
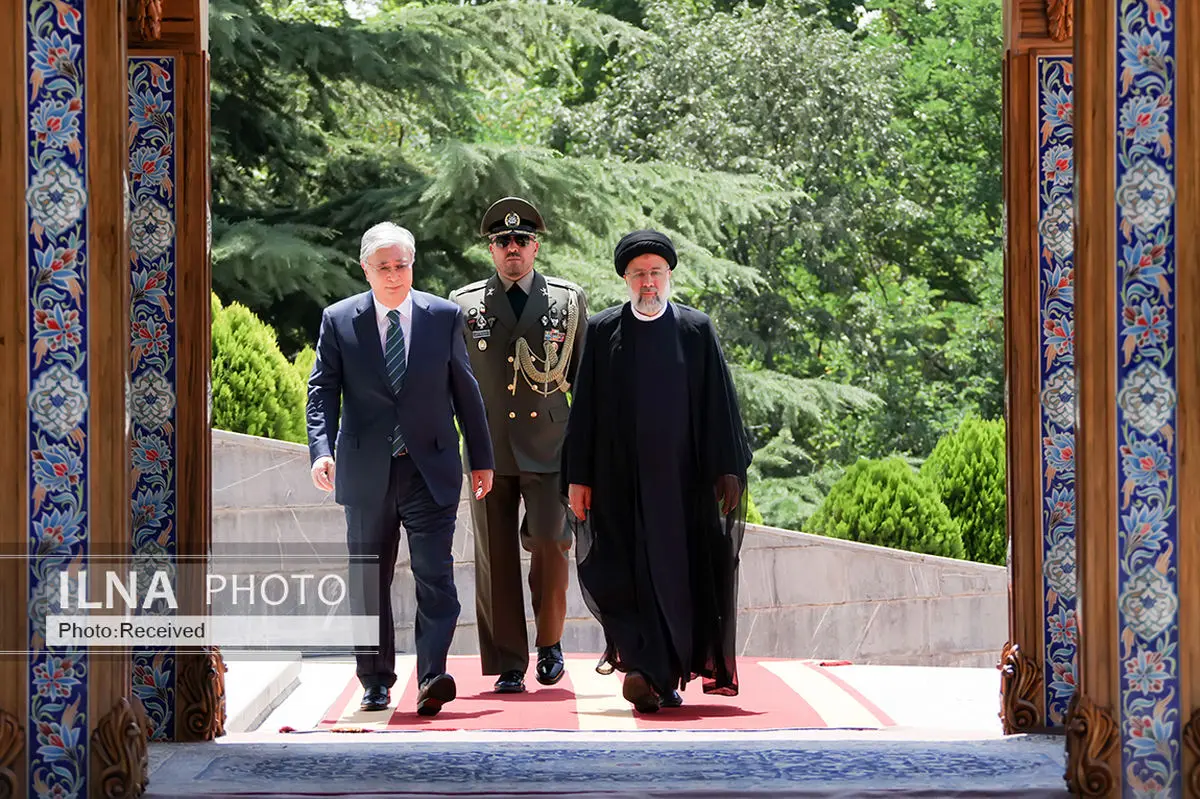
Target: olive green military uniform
(524,367)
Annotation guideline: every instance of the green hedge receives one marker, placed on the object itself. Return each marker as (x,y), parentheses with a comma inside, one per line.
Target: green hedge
(885,502)
(255,389)
(967,468)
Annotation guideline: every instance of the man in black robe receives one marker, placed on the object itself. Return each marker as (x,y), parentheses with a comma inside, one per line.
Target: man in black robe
(655,463)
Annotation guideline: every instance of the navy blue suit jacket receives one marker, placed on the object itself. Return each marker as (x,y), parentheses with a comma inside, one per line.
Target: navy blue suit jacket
(352,410)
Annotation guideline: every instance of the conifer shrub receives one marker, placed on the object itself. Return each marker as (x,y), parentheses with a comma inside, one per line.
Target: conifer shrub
(885,502)
(753,515)
(967,468)
(255,389)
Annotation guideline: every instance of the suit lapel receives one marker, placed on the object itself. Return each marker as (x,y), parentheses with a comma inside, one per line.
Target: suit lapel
(498,305)
(366,327)
(535,307)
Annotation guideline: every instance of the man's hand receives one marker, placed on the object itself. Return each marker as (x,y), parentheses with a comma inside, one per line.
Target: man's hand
(322,473)
(729,492)
(579,497)
(481,482)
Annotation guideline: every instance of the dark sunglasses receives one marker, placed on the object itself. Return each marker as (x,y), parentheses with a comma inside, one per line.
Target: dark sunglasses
(520,239)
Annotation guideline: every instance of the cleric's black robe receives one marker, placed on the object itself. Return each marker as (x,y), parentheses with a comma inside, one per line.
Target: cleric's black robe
(654,422)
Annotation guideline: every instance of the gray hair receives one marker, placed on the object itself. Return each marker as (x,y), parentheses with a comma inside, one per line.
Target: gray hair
(385,234)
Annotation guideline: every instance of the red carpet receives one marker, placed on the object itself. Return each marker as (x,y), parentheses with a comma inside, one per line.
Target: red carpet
(775,694)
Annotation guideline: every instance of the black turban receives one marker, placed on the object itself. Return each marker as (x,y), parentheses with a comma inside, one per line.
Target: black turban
(641,242)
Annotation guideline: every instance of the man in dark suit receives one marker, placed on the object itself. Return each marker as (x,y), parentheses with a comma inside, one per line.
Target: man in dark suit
(526,339)
(391,374)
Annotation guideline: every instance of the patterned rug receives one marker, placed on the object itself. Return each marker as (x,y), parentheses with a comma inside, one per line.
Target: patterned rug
(775,694)
(381,766)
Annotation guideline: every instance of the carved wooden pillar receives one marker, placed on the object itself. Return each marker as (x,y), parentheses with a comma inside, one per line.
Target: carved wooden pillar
(14,459)
(1137,339)
(66,722)
(171,352)
(1038,663)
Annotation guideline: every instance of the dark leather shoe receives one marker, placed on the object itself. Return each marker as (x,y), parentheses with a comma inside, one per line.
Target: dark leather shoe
(672,699)
(375,698)
(637,690)
(510,682)
(434,693)
(550,667)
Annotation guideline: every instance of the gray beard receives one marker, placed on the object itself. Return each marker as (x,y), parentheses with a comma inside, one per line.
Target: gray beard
(649,305)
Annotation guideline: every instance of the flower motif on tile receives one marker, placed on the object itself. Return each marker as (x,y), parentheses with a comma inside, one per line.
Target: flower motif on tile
(1057,227)
(1147,397)
(58,401)
(1058,165)
(1145,530)
(1058,397)
(1064,628)
(56,197)
(1145,120)
(57,468)
(58,268)
(55,676)
(1143,52)
(151,455)
(150,509)
(1146,672)
(1145,261)
(57,531)
(56,123)
(153,400)
(1146,195)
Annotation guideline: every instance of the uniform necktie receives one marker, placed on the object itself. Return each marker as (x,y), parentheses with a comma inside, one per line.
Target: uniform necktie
(397,365)
(516,298)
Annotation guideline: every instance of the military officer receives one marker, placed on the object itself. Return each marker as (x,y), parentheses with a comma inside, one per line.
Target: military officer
(525,336)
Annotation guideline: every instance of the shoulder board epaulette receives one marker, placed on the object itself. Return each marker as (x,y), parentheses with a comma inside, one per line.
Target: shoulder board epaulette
(558,282)
(478,285)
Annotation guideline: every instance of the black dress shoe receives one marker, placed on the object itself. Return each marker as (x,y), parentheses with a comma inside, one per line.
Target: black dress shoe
(510,682)
(637,690)
(550,667)
(375,698)
(434,693)
(672,699)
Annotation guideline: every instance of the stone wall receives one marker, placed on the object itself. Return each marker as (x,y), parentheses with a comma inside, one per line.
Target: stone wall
(801,596)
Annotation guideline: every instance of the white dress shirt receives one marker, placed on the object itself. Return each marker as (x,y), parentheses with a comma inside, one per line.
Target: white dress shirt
(381,312)
(643,317)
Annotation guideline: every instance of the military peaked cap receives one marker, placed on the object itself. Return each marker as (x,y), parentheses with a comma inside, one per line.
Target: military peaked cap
(511,215)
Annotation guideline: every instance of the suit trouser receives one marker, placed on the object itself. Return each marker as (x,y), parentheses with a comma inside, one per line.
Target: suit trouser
(499,597)
(373,536)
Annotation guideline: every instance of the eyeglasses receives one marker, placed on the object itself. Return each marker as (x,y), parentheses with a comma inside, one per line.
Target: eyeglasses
(520,239)
(653,274)
(392,270)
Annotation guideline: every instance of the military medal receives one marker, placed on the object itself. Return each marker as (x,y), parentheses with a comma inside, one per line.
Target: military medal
(483,343)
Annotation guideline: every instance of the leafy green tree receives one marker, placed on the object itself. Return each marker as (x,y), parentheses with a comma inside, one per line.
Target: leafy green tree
(886,503)
(967,468)
(948,106)
(255,390)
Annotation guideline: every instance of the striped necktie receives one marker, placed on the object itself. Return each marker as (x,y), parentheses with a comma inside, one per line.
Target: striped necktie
(397,365)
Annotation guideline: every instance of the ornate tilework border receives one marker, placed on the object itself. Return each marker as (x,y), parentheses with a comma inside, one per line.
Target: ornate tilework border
(1148,571)
(153,336)
(56,208)
(1056,291)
